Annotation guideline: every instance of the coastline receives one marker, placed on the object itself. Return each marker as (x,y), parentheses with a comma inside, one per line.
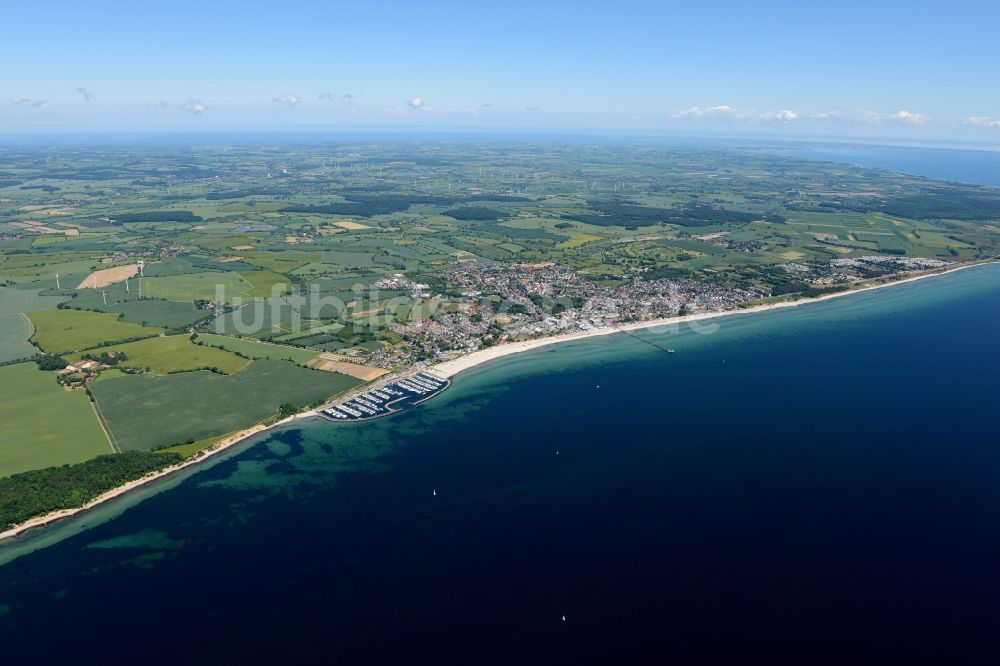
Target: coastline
(448,370)
(206,453)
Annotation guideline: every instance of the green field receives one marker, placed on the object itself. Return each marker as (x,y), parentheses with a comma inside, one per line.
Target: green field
(279,261)
(168,314)
(26,300)
(147,311)
(255,349)
(146,412)
(41,424)
(48,272)
(276,316)
(174,353)
(266,284)
(197,285)
(15,331)
(206,286)
(59,331)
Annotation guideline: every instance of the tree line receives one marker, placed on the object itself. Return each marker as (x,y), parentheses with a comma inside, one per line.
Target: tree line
(29,494)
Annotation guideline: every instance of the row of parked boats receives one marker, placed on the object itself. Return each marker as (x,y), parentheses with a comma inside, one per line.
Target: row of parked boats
(387,399)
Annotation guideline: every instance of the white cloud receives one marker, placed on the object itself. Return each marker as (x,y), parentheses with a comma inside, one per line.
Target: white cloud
(909,117)
(195,106)
(866,117)
(859,116)
(288,99)
(784,116)
(33,103)
(87,95)
(347,98)
(416,104)
(718,111)
(787,116)
(983,121)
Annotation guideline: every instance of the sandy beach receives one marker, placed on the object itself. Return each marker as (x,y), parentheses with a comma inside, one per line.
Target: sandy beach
(449,369)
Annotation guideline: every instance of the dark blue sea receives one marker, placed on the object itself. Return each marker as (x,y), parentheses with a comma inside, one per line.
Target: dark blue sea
(819,484)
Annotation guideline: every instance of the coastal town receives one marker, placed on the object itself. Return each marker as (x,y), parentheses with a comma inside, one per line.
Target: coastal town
(490,303)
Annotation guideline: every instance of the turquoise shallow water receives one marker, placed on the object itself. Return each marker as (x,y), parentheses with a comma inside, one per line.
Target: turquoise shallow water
(814,483)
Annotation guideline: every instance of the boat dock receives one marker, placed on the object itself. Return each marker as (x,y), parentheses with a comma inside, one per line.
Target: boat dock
(386,399)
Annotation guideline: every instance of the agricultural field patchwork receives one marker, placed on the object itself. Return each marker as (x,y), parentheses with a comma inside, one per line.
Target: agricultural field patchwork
(387,254)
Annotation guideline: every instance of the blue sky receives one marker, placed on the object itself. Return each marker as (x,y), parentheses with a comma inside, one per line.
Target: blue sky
(873,69)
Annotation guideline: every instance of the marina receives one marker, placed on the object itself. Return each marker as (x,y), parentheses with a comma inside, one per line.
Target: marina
(387,399)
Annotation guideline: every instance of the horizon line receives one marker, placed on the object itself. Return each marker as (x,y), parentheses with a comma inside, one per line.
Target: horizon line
(34,137)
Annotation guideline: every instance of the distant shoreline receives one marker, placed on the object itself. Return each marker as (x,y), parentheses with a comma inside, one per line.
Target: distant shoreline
(449,369)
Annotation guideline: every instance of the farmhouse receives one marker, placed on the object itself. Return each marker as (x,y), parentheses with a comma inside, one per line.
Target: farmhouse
(79,366)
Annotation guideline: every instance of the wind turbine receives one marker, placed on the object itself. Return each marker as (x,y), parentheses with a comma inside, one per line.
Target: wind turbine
(57,281)
(126,286)
(104,295)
